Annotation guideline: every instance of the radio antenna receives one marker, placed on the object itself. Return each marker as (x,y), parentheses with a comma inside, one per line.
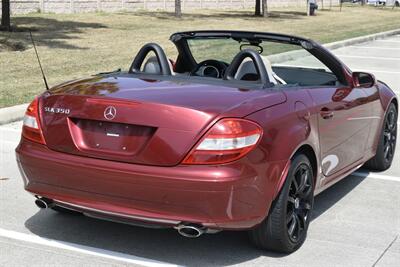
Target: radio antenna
(40,65)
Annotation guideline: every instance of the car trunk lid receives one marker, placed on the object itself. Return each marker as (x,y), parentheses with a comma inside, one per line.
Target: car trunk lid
(143,122)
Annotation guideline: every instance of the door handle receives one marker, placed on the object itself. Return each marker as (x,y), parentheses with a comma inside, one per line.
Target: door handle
(326,114)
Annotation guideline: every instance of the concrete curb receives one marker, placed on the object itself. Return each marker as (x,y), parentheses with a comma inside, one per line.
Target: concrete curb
(14,113)
(11,114)
(361,39)
(296,54)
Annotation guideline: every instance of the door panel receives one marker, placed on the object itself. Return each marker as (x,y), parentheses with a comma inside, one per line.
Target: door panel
(376,117)
(342,126)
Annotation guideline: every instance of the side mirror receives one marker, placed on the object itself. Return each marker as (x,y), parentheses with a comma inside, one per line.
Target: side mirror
(363,80)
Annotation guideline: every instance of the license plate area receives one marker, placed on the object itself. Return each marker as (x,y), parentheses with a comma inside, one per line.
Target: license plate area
(102,137)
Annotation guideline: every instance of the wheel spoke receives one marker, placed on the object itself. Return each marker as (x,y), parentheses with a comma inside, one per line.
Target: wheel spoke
(386,134)
(292,226)
(302,220)
(391,150)
(305,206)
(391,120)
(386,151)
(291,199)
(303,181)
(306,192)
(296,185)
(387,125)
(306,189)
(299,229)
(290,218)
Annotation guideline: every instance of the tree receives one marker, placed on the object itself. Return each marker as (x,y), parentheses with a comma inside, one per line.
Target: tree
(258,8)
(178,9)
(5,15)
(261,8)
(264,8)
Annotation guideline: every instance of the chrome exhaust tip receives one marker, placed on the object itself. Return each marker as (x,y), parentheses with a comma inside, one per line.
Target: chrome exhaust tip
(44,203)
(190,230)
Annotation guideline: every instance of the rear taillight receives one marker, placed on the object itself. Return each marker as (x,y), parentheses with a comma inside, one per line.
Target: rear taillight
(226,141)
(31,128)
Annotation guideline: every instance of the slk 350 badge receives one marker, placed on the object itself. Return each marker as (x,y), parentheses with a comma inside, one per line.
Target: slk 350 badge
(57,110)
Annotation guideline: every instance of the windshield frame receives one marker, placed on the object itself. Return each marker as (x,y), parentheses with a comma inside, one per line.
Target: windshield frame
(186,61)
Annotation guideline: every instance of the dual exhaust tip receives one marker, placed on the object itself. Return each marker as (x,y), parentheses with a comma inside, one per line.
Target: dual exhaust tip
(190,230)
(186,230)
(44,203)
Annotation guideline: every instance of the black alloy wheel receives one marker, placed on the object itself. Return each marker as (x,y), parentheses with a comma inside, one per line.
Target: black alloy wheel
(299,202)
(285,228)
(389,135)
(386,142)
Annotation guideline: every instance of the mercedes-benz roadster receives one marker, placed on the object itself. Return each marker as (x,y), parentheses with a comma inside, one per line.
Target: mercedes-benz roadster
(239,132)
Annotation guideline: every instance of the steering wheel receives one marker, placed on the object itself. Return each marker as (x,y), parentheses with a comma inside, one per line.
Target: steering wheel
(231,71)
(210,68)
(144,51)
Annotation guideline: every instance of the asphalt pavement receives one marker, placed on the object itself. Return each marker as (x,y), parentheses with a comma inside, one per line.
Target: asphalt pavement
(355,223)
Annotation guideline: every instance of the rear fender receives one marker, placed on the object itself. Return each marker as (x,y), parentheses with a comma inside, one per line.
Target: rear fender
(386,95)
(285,171)
(285,131)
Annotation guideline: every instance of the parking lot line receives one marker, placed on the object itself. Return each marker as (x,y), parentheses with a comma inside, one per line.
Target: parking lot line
(375,47)
(10,129)
(81,249)
(376,176)
(388,41)
(368,57)
(380,71)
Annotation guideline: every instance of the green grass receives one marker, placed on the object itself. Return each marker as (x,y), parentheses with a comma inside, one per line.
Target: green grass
(78,45)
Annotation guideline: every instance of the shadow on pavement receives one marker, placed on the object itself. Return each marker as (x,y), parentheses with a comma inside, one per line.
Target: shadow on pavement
(224,248)
(332,195)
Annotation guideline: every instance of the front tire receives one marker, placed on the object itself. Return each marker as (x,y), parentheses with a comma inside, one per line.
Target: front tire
(386,143)
(285,228)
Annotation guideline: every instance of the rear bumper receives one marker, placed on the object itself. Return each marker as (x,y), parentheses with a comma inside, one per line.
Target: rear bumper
(231,196)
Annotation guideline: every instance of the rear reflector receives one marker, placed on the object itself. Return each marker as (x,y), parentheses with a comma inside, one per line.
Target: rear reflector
(226,141)
(31,124)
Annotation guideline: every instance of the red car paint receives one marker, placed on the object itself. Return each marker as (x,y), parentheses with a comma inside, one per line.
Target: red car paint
(140,176)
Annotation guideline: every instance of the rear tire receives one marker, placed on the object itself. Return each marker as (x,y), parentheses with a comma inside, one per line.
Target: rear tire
(386,143)
(285,228)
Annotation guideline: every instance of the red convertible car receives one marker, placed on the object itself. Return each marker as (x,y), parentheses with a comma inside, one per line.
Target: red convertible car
(239,132)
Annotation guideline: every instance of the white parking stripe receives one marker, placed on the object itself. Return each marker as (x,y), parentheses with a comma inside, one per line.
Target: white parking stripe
(81,249)
(367,57)
(376,176)
(10,129)
(375,47)
(388,41)
(379,71)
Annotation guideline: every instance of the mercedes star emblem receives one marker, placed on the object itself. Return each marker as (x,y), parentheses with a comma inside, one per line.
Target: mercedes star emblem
(110,113)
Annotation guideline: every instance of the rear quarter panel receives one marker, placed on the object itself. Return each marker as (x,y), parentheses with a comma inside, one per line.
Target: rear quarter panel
(287,127)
